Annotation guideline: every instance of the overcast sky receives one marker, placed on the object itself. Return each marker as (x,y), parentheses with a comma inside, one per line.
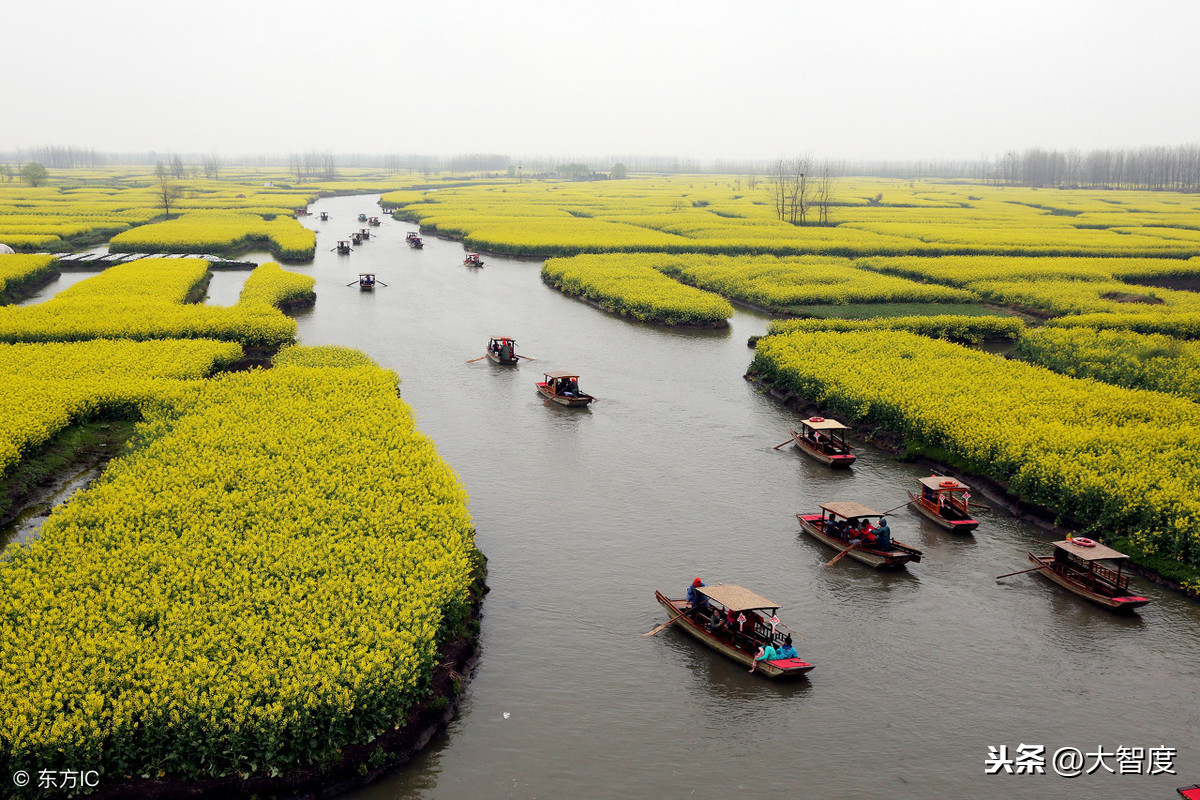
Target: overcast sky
(865,79)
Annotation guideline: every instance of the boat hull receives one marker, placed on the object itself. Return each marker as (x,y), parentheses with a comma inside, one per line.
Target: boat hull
(956,525)
(897,557)
(569,402)
(1116,603)
(789,668)
(835,460)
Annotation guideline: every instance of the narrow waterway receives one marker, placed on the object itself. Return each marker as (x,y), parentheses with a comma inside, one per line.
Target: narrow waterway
(672,475)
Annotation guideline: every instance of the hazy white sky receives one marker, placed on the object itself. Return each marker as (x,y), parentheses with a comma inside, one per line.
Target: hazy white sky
(868,79)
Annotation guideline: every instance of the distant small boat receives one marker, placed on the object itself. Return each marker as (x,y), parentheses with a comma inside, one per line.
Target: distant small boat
(343,248)
(502,350)
(832,528)
(946,502)
(324,216)
(563,388)
(362,217)
(473,260)
(1073,565)
(748,632)
(373,221)
(366,281)
(825,440)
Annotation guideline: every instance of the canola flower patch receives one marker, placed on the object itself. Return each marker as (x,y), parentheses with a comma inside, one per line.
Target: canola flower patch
(1122,358)
(149,299)
(780,282)
(262,582)
(18,271)
(219,232)
(631,286)
(46,387)
(954,327)
(1120,460)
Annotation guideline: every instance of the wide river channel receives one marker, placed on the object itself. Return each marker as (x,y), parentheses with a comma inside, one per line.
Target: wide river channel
(921,677)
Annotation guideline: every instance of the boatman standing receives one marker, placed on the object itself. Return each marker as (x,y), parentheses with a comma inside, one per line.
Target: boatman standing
(694,598)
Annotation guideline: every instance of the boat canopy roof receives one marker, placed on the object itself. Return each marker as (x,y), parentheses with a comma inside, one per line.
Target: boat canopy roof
(562,375)
(823,425)
(936,482)
(850,510)
(1096,552)
(736,598)
(502,338)
(366,274)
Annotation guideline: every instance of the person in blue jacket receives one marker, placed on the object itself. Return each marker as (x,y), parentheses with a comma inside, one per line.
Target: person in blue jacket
(694,598)
(787,651)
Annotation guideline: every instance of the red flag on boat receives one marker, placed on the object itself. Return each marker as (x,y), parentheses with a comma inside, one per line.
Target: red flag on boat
(774,622)
(741,621)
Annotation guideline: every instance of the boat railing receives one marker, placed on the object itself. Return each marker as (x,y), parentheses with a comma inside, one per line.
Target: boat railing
(1111,576)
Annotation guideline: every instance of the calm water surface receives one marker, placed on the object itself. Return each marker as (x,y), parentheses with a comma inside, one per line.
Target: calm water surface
(672,475)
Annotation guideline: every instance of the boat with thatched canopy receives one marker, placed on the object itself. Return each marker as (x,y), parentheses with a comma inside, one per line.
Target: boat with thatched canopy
(825,440)
(838,525)
(946,502)
(563,388)
(503,350)
(1074,564)
(731,624)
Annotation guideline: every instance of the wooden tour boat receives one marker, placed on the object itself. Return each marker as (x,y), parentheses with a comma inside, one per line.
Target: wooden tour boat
(563,388)
(366,281)
(1073,565)
(324,216)
(356,238)
(362,217)
(414,241)
(503,350)
(343,247)
(473,260)
(373,221)
(825,440)
(831,527)
(741,639)
(365,233)
(946,502)
(408,237)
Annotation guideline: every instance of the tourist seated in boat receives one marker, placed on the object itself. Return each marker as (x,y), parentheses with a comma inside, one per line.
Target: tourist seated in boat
(765,653)
(786,650)
(883,535)
(696,599)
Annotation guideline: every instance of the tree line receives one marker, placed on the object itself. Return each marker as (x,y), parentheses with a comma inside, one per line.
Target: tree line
(1175,169)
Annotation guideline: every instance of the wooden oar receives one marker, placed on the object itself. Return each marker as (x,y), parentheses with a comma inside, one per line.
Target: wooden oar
(525,357)
(890,510)
(477,359)
(381,283)
(781,444)
(675,618)
(351,283)
(838,557)
(1020,571)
